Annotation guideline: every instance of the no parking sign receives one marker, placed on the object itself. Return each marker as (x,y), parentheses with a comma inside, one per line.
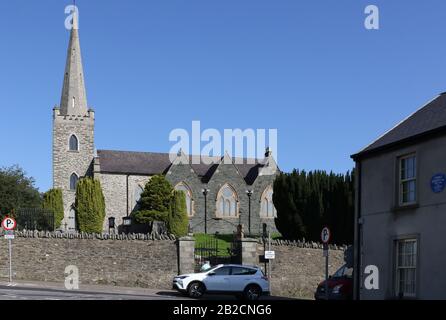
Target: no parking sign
(9,224)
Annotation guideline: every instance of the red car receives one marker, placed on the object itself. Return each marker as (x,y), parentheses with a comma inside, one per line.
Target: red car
(340,286)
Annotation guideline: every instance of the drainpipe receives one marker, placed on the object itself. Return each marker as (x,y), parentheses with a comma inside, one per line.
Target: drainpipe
(357,235)
(127,187)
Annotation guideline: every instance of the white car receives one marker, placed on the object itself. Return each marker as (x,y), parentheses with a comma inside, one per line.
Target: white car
(247,281)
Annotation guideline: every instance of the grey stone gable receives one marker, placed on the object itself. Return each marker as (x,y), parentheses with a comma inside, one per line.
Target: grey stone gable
(430,118)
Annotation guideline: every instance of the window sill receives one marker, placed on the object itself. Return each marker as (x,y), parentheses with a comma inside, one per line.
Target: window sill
(73,151)
(405,207)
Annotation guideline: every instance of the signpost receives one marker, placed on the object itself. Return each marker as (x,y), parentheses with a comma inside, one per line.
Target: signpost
(9,224)
(325,238)
(270,255)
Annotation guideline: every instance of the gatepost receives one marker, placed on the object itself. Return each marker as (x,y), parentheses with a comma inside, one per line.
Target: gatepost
(186,255)
(248,252)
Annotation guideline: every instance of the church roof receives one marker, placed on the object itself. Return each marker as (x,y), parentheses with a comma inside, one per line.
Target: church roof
(151,163)
(428,120)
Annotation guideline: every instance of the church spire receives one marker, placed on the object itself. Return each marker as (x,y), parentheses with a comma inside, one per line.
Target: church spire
(74,97)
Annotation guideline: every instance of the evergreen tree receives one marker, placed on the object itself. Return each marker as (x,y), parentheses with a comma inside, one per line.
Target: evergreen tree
(155,202)
(52,200)
(306,202)
(178,222)
(157,195)
(90,205)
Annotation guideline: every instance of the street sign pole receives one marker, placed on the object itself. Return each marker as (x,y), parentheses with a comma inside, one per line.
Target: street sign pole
(10,261)
(325,238)
(269,262)
(326,269)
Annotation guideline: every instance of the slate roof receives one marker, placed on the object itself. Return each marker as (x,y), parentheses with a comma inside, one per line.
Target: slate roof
(151,163)
(429,119)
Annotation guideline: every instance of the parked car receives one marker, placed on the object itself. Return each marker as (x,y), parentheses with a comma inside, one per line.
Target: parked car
(340,285)
(244,281)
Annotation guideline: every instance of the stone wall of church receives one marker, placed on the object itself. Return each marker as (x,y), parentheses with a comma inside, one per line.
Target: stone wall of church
(226,173)
(114,188)
(66,162)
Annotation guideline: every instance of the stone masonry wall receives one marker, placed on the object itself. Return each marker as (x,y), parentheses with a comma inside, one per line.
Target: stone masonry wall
(66,162)
(133,263)
(297,271)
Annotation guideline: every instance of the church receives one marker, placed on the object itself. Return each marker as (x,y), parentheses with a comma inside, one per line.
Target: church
(221,193)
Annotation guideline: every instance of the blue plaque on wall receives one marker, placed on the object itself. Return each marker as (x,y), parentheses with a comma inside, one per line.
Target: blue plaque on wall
(438,182)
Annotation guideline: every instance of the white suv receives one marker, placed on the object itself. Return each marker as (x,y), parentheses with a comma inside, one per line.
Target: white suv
(240,280)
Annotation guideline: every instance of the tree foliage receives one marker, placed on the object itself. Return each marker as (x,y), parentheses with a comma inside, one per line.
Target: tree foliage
(157,195)
(160,202)
(148,216)
(17,190)
(155,201)
(52,200)
(305,202)
(90,205)
(178,222)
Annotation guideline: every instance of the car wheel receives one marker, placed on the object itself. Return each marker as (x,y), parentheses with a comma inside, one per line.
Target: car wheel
(252,292)
(196,290)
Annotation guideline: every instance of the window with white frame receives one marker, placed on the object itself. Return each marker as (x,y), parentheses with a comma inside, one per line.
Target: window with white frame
(267,209)
(227,202)
(408,180)
(189,201)
(406,268)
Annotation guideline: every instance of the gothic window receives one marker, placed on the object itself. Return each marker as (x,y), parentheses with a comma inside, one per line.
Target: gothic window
(73,181)
(137,196)
(267,209)
(74,143)
(227,202)
(189,200)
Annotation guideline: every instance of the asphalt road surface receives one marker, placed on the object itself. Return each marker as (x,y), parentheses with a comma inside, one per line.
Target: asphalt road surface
(17,292)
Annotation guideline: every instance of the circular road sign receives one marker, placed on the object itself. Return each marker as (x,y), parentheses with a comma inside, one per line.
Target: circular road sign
(325,235)
(9,224)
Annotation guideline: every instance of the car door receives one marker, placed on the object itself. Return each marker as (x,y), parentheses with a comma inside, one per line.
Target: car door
(218,279)
(240,278)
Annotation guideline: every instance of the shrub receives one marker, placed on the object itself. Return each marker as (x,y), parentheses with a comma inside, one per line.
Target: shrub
(90,205)
(148,216)
(178,221)
(52,200)
(157,195)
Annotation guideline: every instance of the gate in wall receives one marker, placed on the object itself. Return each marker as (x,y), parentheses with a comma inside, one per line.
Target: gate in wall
(214,253)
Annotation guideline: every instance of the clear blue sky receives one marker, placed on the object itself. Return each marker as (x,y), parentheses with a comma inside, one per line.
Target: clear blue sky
(330,85)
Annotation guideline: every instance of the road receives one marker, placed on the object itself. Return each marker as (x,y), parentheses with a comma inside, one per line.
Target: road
(43,291)
(36,293)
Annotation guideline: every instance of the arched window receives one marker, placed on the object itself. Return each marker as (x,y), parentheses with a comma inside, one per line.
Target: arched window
(74,143)
(137,196)
(189,200)
(73,181)
(227,205)
(267,209)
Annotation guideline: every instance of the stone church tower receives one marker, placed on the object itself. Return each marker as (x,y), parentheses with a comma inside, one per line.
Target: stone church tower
(73,131)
